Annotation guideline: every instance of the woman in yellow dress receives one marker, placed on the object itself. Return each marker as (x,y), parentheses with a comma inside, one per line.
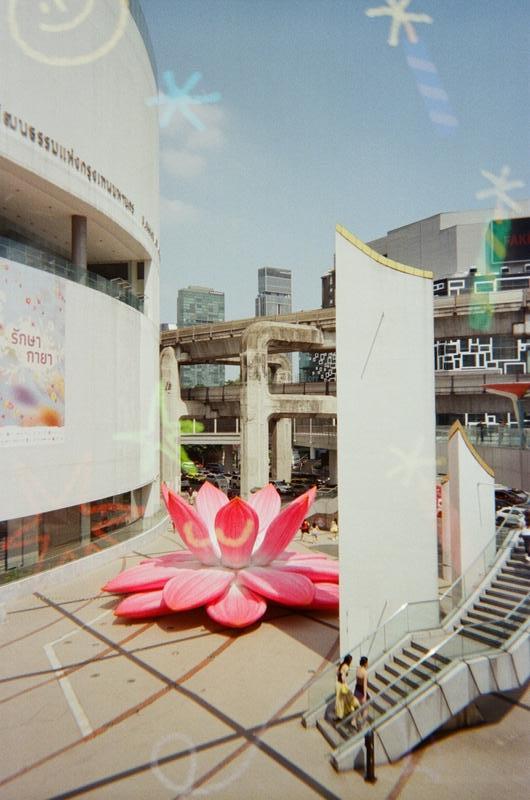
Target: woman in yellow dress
(345,700)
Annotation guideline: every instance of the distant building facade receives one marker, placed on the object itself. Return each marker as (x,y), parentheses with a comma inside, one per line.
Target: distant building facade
(274,292)
(449,243)
(199,305)
(313,367)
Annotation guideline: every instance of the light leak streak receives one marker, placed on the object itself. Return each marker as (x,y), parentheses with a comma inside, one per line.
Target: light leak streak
(429,85)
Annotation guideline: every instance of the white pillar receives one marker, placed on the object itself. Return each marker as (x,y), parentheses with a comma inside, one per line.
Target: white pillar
(386,448)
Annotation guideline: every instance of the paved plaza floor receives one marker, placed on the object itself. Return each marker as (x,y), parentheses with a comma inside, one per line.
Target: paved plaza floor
(179,707)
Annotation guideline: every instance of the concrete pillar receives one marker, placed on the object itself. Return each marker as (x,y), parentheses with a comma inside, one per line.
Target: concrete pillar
(228,450)
(79,243)
(257,404)
(171,409)
(282,453)
(254,469)
(85,527)
(332,466)
(282,434)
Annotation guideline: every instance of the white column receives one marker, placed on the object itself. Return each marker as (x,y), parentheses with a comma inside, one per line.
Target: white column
(386,447)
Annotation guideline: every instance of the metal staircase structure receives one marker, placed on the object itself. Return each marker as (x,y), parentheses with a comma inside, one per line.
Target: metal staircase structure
(429,676)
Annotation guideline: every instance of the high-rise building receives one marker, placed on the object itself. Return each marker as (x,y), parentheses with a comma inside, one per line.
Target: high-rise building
(199,305)
(328,289)
(274,292)
(320,366)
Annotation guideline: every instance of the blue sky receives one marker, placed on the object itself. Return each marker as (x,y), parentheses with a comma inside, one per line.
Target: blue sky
(321,122)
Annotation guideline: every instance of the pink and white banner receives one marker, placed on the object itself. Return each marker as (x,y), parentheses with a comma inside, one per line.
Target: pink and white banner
(32,378)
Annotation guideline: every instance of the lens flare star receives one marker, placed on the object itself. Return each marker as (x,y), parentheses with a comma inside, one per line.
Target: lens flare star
(397,9)
(500,188)
(176,98)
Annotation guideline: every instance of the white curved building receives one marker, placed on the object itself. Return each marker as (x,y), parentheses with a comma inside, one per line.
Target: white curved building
(79,276)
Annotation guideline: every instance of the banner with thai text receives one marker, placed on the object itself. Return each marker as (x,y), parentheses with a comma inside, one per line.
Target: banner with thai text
(32,378)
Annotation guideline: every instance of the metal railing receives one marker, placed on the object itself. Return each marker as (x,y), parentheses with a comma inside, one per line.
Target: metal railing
(56,265)
(413,618)
(455,647)
(409,617)
(492,435)
(463,587)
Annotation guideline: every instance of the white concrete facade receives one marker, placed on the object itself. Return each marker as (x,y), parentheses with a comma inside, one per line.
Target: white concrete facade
(78,138)
(386,460)
(470,523)
(444,243)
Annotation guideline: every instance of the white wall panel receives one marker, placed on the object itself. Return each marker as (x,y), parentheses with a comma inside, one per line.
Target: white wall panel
(472,504)
(111,412)
(98,107)
(386,427)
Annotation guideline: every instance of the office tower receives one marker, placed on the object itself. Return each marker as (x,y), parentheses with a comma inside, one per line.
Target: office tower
(274,292)
(320,366)
(199,305)
(328,289)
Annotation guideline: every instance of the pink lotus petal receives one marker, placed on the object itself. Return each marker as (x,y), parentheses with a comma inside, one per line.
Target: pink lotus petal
(140,606)
(326,596)
(289,589)
(171,559)
(322,569)
(236,528)
(266,503)
(141,578)
(190,527)
(209,500)
(193,588)
(283,529)
(237,608)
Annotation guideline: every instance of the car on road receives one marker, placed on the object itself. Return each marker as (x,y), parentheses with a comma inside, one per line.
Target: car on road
(282,487)
(216,467)
(512,517)
(509,497)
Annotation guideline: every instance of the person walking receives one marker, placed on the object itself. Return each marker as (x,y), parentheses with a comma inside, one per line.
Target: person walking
(345,700)
(314,531)
(304,528)
(361,684)
(334,530)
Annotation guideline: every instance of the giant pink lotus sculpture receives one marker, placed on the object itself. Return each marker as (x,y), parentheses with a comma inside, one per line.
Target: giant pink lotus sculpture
(236,561)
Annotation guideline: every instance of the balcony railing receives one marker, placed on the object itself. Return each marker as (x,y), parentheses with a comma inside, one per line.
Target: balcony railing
(49,262)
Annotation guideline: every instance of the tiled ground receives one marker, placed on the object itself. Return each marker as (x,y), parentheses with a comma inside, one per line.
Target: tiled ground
(94,707)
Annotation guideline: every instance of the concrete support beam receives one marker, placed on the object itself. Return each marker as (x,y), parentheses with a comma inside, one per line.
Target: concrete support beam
(332,466)
(79,242)
(171,409)
(282,453)
(282,434)
(257,404)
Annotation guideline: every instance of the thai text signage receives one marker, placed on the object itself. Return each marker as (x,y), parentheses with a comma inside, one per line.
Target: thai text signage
(32,328)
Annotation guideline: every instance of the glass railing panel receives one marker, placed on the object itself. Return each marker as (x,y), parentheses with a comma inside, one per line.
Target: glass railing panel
(394,631)
(474,575)
(468,642)
(375,645)
(423,616)
(49,262)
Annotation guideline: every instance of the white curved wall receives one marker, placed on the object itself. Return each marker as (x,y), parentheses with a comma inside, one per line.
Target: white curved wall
(98,107)
(111,412)
(386,452)
(89,98)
